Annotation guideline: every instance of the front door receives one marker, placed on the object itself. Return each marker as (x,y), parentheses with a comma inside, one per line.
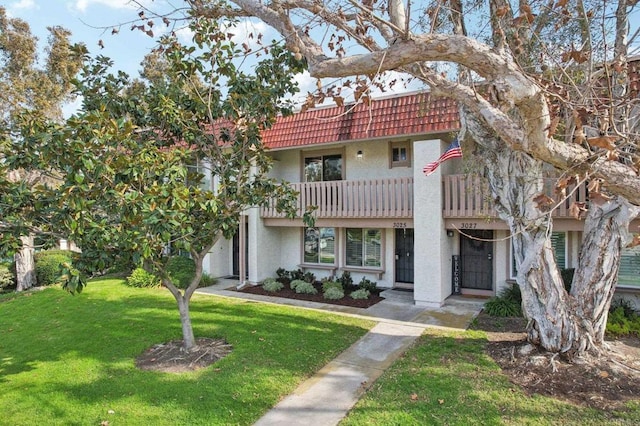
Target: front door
(476,260)
(404,255)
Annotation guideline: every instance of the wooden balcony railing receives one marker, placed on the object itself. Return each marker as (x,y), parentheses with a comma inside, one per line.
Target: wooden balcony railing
(463,197)
(373,198)
(468,196)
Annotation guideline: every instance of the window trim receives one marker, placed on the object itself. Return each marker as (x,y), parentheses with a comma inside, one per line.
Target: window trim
(400,144)
(323,152)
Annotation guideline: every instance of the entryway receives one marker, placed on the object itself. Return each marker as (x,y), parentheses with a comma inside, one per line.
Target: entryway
(476,262)
(404,258)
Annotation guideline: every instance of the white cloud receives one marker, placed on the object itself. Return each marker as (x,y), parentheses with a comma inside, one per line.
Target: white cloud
(82,5)
(21,5)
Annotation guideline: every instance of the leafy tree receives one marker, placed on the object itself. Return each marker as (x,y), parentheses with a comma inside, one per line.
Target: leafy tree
(538,82)
(128,189)
(25,83)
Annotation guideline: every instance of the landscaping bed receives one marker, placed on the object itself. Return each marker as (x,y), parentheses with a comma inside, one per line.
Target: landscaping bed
(288,293)
(607,383)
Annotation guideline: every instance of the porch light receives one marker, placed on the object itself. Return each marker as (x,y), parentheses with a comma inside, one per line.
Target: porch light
(449,232)
(359,155)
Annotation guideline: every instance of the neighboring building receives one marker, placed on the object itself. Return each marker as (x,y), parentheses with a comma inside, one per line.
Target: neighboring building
(378,215)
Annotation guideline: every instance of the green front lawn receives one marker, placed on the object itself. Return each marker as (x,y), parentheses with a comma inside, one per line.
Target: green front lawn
(70,359)
(447,379)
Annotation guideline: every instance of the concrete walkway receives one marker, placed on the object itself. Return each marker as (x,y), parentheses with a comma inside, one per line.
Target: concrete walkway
(340,384)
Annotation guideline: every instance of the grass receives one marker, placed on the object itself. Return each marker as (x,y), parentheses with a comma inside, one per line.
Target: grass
(447,379)
(69,360)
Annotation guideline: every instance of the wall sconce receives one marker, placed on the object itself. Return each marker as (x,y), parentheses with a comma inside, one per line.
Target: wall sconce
(450,233)
(359,155)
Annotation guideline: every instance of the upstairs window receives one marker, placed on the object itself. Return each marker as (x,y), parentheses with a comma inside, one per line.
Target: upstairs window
(400,154)
(323,167)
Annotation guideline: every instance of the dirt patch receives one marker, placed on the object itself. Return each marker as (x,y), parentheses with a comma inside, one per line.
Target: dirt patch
(606,383)
(172,358)
(287,293)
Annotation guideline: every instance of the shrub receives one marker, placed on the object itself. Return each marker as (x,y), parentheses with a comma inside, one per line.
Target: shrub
(360,294)
(346,281)
(298,274)
(7,278)
(142,279)
(309,277)
(48,265)
(333,293)
(623,319)
(296,283)
(305,288)
(181,271)
(272,285)
(326,285)
(283,275)
(207,280)
(512,293)
(368,285)
(502,307)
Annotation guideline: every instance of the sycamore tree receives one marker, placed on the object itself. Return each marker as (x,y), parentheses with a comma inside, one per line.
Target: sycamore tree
(129,190)
(539,83)
(41,84)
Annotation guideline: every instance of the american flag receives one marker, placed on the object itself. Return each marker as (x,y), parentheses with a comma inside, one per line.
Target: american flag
(453,151)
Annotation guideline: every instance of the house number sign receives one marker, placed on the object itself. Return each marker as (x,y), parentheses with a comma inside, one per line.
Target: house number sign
(468,225)
(400,225)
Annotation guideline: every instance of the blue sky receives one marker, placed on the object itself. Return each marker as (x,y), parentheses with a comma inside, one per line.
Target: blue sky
(92,20)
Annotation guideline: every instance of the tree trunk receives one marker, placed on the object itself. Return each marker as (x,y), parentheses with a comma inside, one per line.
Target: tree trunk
(606,233)
(570,324)
(189,341)
(25,265)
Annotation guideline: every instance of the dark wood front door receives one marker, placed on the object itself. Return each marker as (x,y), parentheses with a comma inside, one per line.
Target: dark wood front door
(404,255)
(476,260)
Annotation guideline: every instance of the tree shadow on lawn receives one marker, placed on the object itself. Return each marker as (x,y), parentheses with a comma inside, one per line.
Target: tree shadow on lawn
(269,346)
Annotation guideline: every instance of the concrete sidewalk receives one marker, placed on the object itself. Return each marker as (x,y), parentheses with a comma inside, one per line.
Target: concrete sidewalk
(327,397)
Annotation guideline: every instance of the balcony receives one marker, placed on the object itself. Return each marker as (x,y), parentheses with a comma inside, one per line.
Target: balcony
(469,197)
(463,197)
(372,198)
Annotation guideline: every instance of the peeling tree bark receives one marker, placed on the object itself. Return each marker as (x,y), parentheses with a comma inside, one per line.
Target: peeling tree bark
(25,265)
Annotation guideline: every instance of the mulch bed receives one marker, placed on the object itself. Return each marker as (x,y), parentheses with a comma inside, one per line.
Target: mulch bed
(287,293)
(171,357)
(606,383)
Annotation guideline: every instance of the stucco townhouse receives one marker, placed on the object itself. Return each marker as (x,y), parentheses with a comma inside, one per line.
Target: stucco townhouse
(379,216)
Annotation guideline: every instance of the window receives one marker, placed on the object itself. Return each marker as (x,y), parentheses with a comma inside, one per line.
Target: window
(199,175)
(400,154)
(629,273)
(320,245)
(318,168)
(363,248)
(559,246)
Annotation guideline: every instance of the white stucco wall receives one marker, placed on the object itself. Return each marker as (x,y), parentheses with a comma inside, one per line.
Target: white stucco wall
(373,164)
(432,248)
(264,251)
(219,261)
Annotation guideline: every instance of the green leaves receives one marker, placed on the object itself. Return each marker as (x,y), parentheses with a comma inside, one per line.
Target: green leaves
(71,279)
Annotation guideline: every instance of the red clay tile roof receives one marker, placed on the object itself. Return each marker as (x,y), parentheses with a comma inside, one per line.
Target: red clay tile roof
(410,114)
